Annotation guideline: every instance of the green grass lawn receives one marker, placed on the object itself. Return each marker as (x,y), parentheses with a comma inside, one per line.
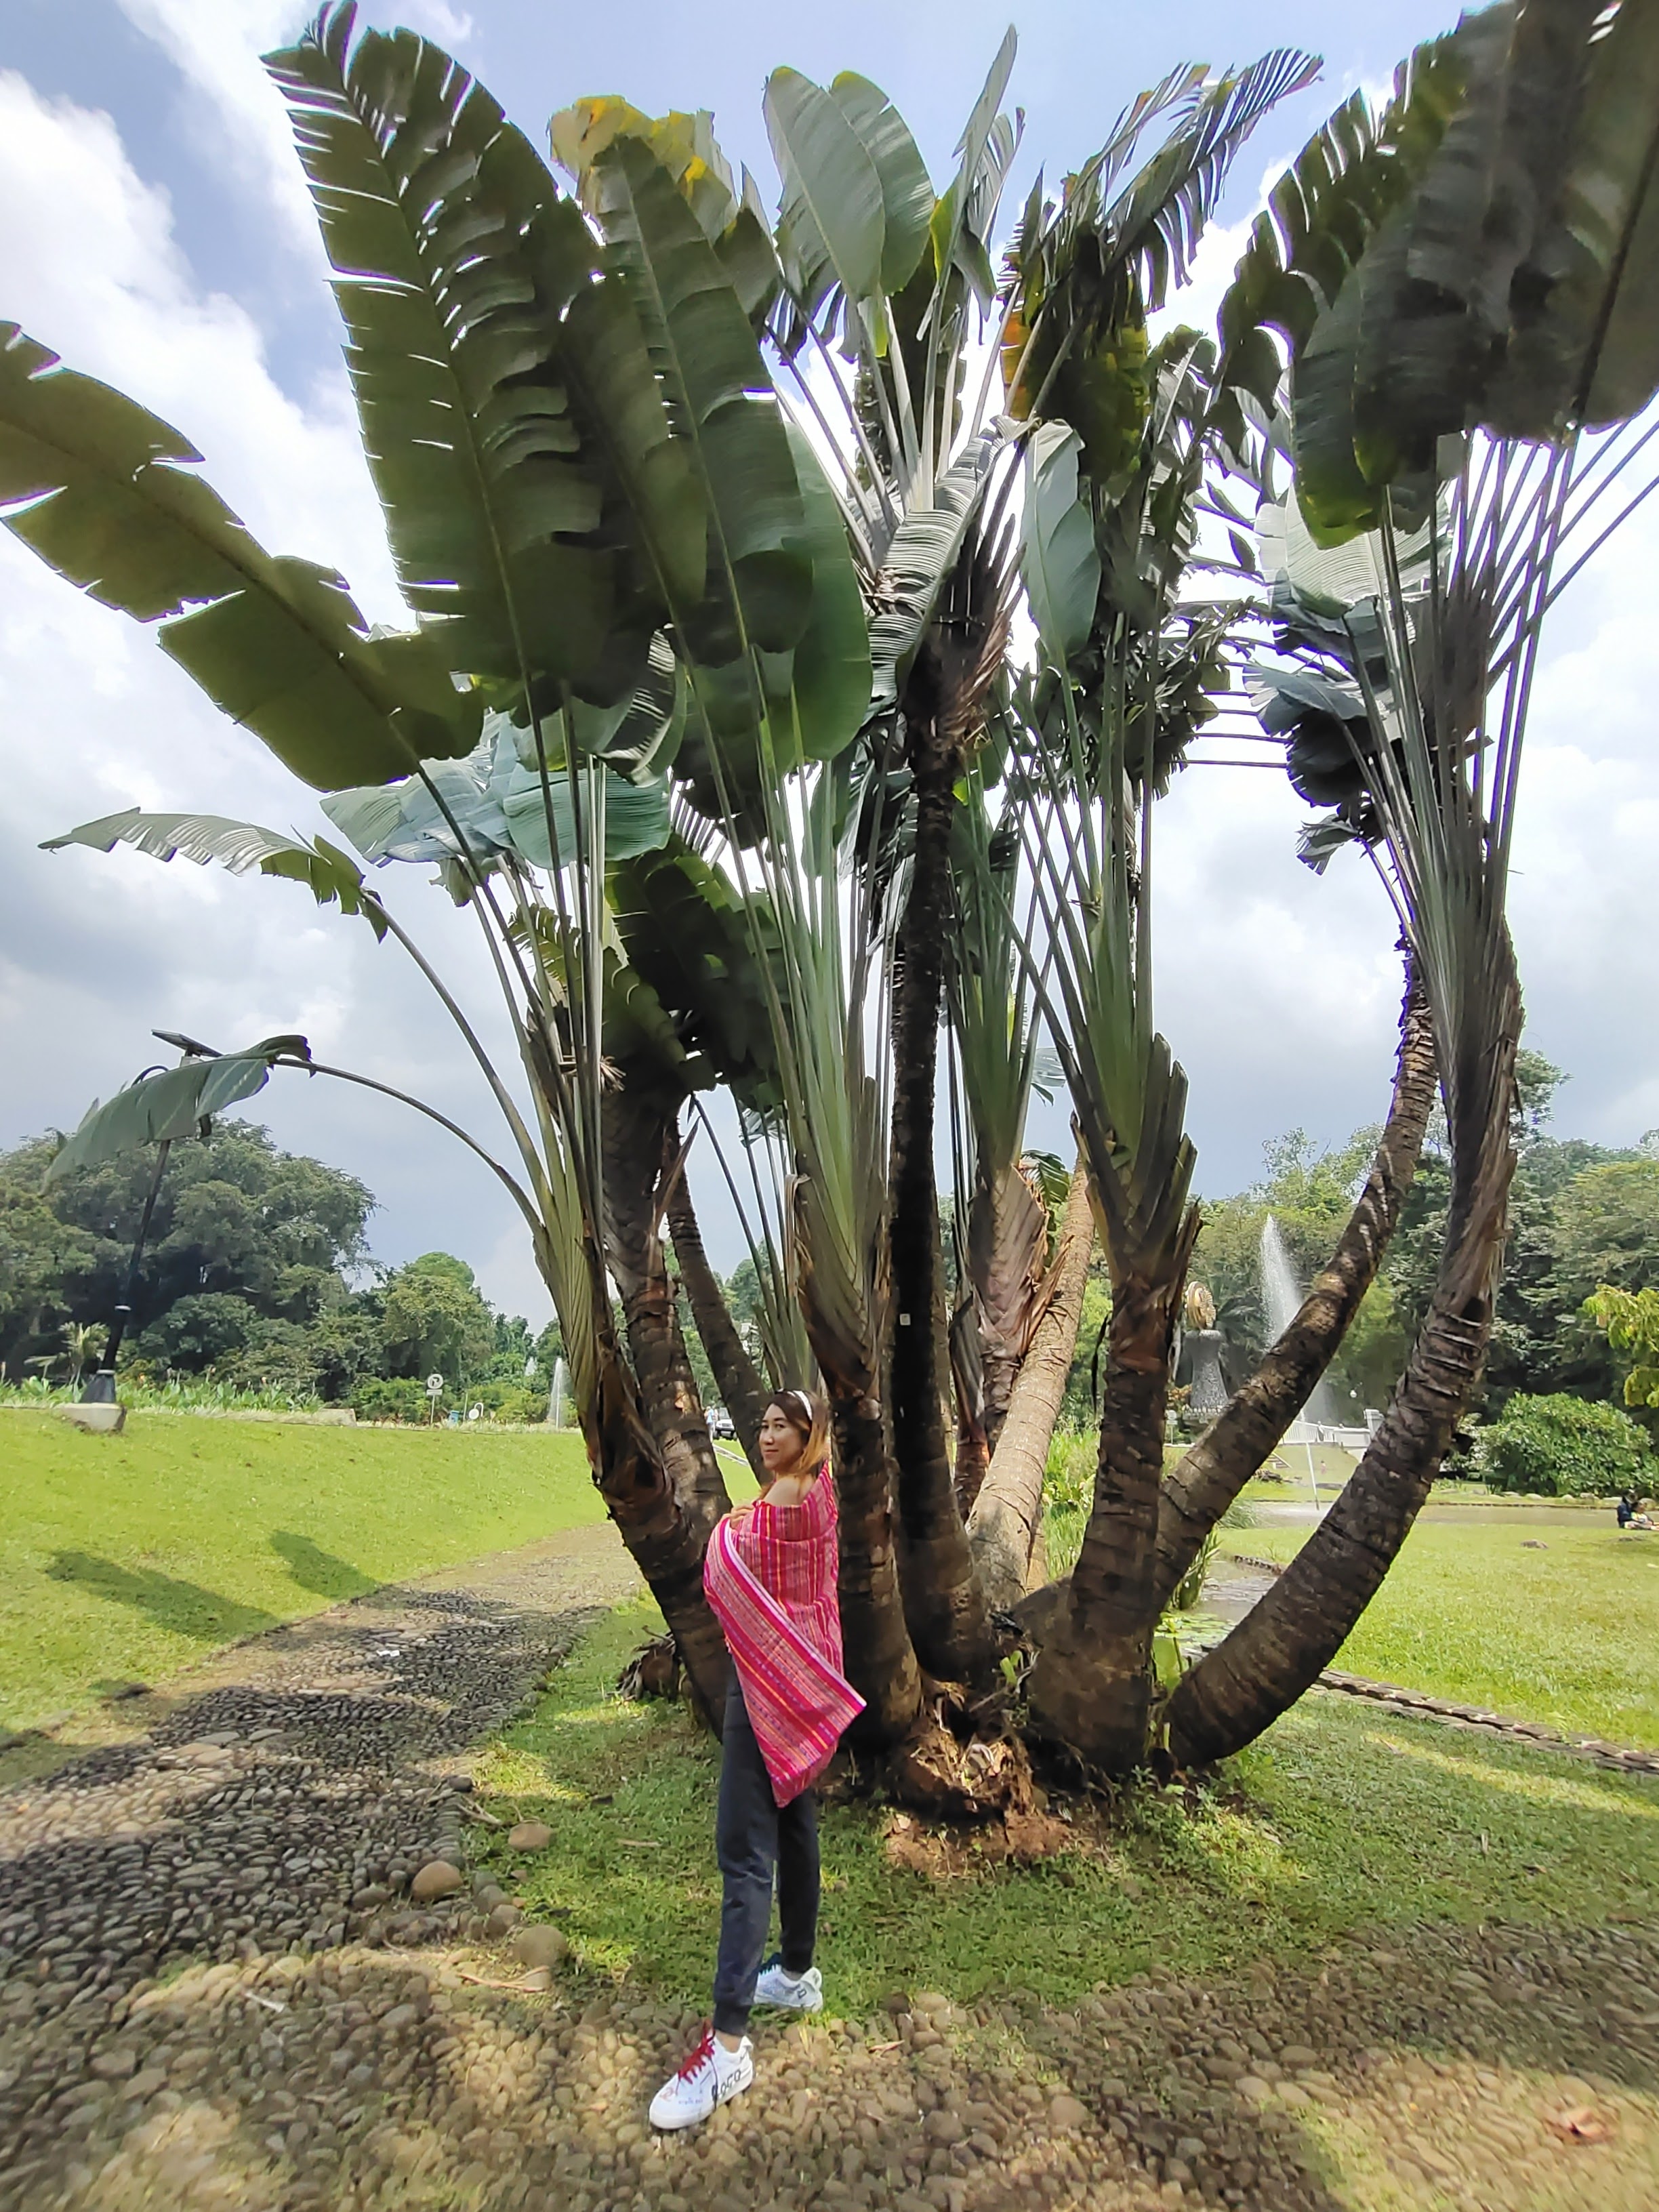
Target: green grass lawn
(1566,1635)
(124,1557)
(1348,1820)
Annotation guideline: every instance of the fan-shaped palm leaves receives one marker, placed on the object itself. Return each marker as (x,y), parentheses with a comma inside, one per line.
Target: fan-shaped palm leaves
(715,533)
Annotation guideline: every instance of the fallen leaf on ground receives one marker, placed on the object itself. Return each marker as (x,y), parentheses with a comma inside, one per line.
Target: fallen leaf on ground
(1582,2124)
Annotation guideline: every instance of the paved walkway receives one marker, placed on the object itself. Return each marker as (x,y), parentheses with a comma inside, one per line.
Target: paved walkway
(329,2044)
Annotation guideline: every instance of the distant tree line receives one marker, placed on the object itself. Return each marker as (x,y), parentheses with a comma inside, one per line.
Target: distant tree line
(256,1272)
(1581,1215)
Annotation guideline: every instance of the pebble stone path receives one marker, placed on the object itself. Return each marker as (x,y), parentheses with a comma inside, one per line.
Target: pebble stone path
(214,1992)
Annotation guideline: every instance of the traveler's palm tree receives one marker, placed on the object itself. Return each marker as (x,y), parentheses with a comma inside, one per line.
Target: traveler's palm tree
(1463,403)
(712,534)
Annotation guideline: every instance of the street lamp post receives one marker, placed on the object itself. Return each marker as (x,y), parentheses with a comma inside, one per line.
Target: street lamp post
(100,1390)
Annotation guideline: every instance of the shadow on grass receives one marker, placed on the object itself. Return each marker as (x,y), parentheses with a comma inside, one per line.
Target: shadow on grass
(314,1569)
(184,1608)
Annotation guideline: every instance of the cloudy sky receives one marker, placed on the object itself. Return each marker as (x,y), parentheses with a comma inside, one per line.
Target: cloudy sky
(154,231)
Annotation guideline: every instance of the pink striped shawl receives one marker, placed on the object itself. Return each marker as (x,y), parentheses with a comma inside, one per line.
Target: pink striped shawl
(769,1574)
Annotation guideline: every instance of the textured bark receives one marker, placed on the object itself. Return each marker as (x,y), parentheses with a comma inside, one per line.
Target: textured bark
(968,1379)
(1200,1488)
(1007,1244)
(1288,1638)
(880,1658)
(973,1465)
(1090,1688)
(743,1388)
(665,1543)
(640,1151)
(1007,1519)
(943,1602)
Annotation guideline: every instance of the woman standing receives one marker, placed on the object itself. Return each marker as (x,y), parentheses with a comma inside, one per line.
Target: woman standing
(770,1577)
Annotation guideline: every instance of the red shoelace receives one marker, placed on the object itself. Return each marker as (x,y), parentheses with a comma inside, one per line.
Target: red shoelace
(702,2056)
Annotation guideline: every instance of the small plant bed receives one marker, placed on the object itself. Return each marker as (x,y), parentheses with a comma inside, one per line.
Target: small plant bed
(123,1559)
(1554,1620)
(1342,1820)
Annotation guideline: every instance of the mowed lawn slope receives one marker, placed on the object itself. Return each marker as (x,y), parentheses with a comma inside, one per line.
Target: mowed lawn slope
(124,1558)
(1547,1615)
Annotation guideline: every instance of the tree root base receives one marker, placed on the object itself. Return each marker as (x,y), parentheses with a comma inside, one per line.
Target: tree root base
(655,1671)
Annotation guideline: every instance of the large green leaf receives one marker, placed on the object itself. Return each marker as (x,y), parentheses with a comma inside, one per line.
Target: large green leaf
(817,696)
(498,806)
(1320,213)
(1438,278)
(829,668)
(325,870)
(907,191)
(686,146)
(635,815)
(173,1104)
(688,935)
(920,559)
(719,400)
(1337,498)
(456,261)
(106,494)
(1586,343)
(1058,555)
(833,226)
(1158,218)
(950,213)
(418,817)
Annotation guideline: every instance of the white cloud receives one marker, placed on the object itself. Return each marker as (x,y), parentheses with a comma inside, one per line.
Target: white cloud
(236,114)
(216,46)
(94,950)
(1279,991)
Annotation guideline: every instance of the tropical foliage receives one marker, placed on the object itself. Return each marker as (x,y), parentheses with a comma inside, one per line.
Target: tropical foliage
(724,537)
(1560,1446)
(255,1275)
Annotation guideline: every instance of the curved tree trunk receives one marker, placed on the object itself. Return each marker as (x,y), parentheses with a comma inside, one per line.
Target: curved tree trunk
(1200,1488)
(742,1386)
(1292,1635)
(880,1659)
(665,1543)
(1007,1244)
(1007,1515)
(1090,1688)
(641,1150)
(943,1602)
(968,1377)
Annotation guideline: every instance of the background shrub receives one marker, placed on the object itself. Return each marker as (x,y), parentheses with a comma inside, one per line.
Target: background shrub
(387,1398)
(1561,1444)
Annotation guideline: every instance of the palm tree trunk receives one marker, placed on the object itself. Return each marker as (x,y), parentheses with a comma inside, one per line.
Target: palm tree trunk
(741,1389)
(1007,1240)
(641,1150)
(880,1658)
(973,1462)
(943,1602)
(1292,1635)
(665,1543)
(1203,1483)
(1090,1688)
(1007,1514)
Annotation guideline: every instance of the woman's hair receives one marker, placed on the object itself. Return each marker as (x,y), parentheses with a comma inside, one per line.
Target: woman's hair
(809,1418)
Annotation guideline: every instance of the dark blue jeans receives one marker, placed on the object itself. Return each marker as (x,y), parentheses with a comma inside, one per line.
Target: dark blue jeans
(755,1839)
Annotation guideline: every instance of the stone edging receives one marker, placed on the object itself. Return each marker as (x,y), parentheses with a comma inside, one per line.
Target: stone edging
(1623,1757)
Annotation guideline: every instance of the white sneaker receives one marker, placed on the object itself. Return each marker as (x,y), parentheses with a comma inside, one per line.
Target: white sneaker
(788,1992)
(709,2077)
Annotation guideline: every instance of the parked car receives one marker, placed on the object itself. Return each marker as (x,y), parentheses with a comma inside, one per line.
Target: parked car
(721,1423)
